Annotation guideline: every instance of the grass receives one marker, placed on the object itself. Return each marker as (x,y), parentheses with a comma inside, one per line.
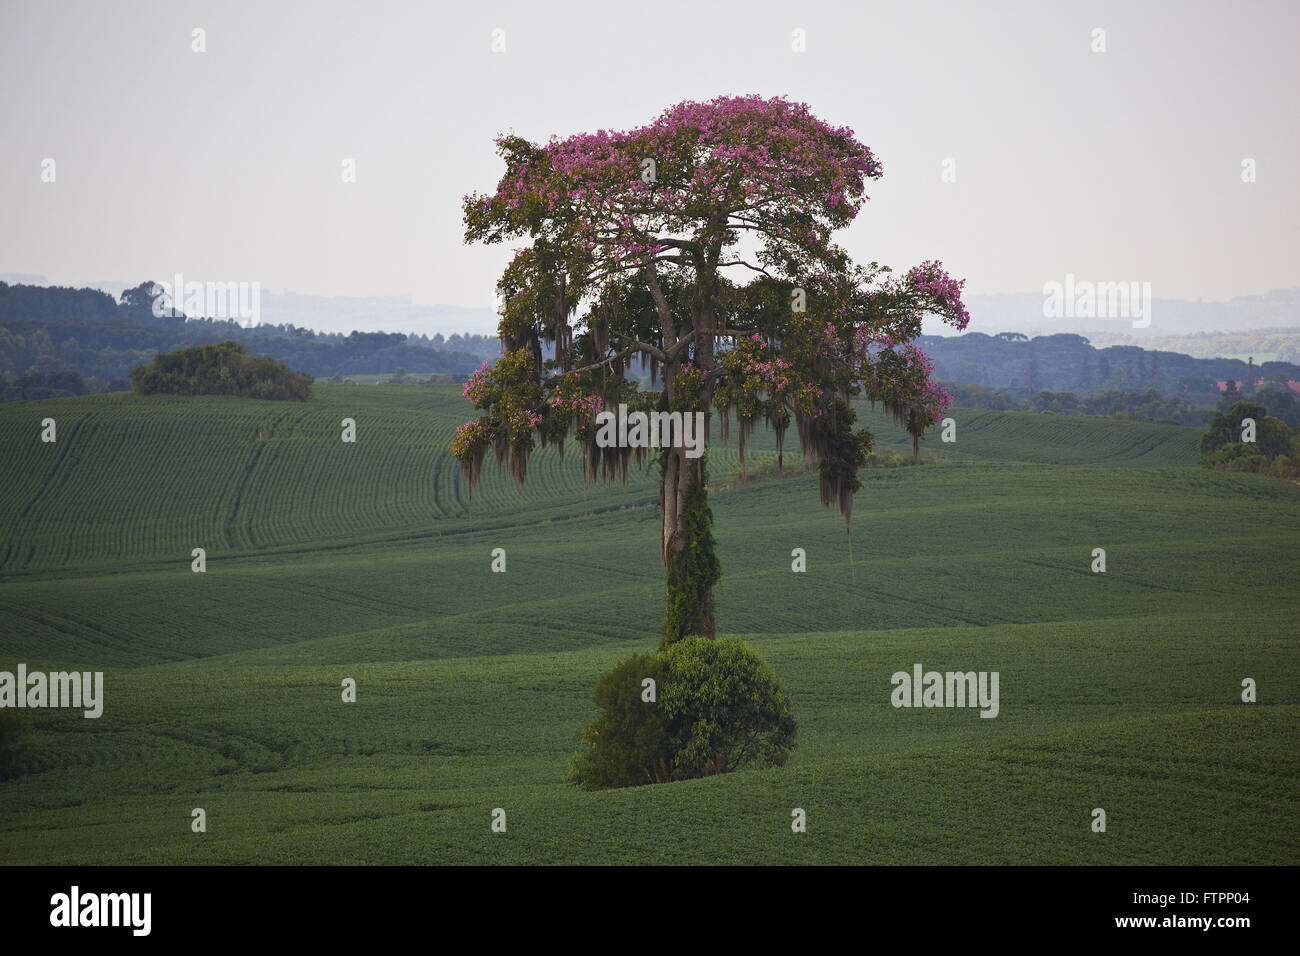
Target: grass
(327,561)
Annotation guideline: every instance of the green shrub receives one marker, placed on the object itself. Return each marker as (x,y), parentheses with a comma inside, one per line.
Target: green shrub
(719,708)
(1248,462)
(1284,467)
(628,744)
(889,459)
(724,708)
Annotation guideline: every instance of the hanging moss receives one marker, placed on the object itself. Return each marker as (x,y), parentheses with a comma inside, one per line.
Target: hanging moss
(693,567)
(841,452)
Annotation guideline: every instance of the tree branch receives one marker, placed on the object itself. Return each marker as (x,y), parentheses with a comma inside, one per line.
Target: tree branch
(742,262)
(643,346)
(681,344)
(605,361)
(666,326)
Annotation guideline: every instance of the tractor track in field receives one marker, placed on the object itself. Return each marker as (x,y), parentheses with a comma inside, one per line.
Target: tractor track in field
(239,493)
(47,486)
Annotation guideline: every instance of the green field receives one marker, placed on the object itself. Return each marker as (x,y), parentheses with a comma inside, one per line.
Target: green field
(328,560)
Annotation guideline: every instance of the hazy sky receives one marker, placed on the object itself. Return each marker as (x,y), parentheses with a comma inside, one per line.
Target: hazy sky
(225,165)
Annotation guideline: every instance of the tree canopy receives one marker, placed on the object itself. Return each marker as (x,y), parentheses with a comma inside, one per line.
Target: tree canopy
(636,242)
(225,369)
(1225,442)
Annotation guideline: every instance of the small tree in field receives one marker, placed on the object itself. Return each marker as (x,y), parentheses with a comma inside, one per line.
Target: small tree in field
(700,246)
(917,413)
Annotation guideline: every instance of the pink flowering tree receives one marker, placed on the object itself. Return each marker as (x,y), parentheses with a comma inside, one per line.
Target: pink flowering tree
(699,246)
(915,408)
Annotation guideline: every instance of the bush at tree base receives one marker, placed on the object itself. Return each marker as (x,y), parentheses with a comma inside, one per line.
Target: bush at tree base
(719,707)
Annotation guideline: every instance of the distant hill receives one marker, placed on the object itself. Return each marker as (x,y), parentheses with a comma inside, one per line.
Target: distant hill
(49,330)
(1264,345)
(1067,362)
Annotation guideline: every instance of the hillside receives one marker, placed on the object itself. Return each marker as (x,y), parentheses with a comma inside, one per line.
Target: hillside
(328,560)
(239,470)
(1067,362)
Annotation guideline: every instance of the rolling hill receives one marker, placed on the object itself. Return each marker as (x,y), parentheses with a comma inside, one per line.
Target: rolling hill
(328,560)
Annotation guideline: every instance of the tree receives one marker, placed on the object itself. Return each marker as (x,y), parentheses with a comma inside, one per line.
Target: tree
(1223,436)
(225,369)
(700,246)
(140,298)
(1281,402)
(917,413)
(139,303)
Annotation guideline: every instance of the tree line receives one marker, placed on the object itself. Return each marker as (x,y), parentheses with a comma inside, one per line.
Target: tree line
(1069,363)
(46,330)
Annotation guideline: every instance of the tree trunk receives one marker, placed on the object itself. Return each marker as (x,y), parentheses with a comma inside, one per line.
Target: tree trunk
(688,549)
(687,545)
(669,500)
(916,449)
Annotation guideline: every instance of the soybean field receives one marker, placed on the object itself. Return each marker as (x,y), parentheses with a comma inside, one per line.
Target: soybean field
(328,560)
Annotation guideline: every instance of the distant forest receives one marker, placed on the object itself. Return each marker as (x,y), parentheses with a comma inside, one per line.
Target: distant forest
(60,341)
(1069,363)
(57,341)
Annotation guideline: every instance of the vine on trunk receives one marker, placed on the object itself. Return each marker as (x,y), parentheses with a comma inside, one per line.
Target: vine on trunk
(693,567)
